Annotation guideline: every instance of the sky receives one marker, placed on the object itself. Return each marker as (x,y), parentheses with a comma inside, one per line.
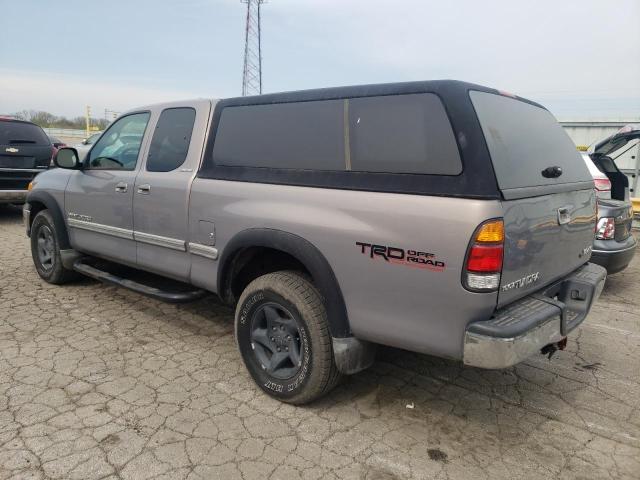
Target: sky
(580,58)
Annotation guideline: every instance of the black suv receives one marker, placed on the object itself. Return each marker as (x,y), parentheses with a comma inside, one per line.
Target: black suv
(25,150)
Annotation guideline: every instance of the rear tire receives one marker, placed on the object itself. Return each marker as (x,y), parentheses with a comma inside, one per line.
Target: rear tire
(45,250)
(283,336)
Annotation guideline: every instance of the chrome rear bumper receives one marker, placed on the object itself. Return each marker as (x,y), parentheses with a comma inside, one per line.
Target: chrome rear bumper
(522,328)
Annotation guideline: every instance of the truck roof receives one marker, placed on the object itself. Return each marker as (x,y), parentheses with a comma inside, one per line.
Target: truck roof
(377,89)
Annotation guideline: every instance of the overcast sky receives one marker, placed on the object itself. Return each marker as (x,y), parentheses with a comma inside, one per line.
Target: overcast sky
(580,58)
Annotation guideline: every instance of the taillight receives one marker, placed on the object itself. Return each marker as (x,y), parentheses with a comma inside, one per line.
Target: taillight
(606,228)
(483,264)
(602,184)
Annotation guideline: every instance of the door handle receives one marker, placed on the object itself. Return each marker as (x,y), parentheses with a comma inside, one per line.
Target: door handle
(144,189)
(564,215)
(121,187)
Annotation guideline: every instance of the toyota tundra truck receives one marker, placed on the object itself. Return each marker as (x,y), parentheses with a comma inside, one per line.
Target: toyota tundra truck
(439,217)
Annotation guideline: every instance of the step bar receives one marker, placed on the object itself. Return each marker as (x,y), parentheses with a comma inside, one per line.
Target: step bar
(168,296)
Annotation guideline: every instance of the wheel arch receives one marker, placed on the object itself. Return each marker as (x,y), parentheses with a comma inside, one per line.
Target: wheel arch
(38,201)
(300,249)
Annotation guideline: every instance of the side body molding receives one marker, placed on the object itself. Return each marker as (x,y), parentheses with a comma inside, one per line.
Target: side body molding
(302,250)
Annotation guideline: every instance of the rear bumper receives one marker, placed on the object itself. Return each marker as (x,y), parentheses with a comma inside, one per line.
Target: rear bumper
(13,196)
(612,255)
(522,328)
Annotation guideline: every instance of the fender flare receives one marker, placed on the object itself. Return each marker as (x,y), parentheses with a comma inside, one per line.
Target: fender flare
(306,253)
(52,205)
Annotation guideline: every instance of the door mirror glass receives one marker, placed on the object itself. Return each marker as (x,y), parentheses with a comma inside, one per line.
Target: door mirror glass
(66,158)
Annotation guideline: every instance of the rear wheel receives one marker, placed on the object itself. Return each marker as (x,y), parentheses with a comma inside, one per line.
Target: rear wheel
(45,250)
(283,336)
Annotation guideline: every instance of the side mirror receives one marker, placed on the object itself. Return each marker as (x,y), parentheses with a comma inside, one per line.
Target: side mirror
(84,142)
(67,157)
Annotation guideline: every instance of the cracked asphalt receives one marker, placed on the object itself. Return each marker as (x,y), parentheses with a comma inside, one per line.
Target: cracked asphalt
(100,383)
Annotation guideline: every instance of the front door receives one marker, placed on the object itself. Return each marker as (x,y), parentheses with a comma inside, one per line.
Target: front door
(161,196)
(99,198)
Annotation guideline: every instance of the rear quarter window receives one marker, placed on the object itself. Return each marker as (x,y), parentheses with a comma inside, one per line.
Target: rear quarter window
(523,140)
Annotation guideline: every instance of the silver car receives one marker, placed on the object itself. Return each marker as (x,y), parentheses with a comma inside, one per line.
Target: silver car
(83,147)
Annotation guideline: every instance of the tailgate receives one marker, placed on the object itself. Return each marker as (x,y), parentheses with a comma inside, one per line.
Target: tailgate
(546,237)
(549,198)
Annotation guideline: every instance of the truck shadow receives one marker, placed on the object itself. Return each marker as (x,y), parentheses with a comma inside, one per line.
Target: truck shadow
(9,214)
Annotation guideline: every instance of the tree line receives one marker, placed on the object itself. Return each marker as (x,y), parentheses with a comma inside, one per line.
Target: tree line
(49,120)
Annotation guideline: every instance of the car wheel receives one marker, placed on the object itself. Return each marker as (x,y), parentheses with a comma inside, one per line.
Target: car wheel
(45,250)
(283,336)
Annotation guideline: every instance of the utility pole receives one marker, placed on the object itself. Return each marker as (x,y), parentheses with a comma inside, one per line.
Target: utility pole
(252,70)
(88,119)
(110,115)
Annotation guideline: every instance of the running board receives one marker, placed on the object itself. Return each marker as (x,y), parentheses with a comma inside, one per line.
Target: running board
(169,296)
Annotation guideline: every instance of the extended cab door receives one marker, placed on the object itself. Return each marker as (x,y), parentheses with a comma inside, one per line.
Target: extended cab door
(161,194)
(99,198)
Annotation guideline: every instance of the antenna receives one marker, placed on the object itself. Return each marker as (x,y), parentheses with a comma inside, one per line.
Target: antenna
(252,71)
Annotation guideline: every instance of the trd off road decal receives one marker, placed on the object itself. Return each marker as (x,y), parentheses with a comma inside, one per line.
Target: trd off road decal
(400,256)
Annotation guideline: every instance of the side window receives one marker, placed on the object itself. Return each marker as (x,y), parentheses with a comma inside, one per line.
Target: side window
(118,147)
(402,134)
(304,135)
(170,142)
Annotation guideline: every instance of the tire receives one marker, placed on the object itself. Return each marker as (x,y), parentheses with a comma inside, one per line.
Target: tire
(45,250)
(299,308)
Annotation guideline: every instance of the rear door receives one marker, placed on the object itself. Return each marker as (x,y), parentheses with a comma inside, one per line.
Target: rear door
(549,199)
(25,150)
(161,193)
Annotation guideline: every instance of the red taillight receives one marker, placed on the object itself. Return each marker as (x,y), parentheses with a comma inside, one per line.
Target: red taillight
(606,228)
(602,184)
(485,258)
(483,266)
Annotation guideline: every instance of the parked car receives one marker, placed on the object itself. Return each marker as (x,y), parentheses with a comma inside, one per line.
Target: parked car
(614,245)
(25,151)
(600,180)
(440,217)
(57,144)
(84,146)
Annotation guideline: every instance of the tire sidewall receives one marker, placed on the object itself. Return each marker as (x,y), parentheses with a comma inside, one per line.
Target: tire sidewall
(42,219)
(279,388)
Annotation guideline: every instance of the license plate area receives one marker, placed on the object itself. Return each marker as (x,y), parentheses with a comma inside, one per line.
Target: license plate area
(11,161)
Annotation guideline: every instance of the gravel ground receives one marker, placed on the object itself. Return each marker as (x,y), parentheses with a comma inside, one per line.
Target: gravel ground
(98,382)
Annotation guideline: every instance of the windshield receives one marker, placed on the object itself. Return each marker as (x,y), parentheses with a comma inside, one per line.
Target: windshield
(20,133)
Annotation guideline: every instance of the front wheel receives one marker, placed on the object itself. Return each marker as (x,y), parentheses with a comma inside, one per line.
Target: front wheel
(45,250)
(283,336)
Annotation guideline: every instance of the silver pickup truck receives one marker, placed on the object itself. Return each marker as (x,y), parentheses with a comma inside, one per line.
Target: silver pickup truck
(439,217)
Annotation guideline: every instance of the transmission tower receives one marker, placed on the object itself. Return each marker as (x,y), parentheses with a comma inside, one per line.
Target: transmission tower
(252,71)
